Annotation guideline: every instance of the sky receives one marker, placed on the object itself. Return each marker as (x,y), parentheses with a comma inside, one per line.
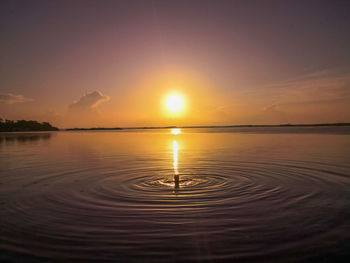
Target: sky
(113,63)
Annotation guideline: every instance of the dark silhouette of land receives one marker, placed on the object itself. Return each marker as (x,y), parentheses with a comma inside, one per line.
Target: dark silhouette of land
(210,126)
(23,126)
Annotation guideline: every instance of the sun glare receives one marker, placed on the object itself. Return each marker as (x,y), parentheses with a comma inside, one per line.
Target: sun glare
(174,103)
(175,131)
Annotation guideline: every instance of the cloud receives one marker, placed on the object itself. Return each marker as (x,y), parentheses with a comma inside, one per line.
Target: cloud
(318,89)
(85,112)
(9,98)
(318,97)
(272,108)
(89,101)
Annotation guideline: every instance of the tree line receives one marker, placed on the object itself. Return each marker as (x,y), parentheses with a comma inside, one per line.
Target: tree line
(23,125)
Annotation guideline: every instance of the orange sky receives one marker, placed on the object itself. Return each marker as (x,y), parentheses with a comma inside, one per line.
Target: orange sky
(112,65)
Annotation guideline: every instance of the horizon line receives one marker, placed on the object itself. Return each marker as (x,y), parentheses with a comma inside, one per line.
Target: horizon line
(212,126)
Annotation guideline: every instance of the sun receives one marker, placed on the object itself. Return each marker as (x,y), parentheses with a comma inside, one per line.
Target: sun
(174,103)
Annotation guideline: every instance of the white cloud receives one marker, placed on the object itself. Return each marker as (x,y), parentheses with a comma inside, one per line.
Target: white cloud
(89,101)
(85,112)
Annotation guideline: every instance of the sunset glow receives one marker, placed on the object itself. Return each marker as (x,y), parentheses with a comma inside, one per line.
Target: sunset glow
(175,131)
(174,63)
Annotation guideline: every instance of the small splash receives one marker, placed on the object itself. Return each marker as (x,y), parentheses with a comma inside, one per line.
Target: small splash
(181,183)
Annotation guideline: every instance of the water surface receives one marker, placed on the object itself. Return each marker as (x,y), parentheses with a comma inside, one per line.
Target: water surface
(206,195)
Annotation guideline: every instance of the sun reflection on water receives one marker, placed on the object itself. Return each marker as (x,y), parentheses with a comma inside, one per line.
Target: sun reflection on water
(175,131)
(175,150)
(176,172)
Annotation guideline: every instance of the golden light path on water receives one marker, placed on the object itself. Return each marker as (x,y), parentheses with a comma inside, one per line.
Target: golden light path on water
(175,156)
(175,150)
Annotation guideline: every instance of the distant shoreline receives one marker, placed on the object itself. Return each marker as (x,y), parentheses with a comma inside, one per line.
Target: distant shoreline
(181,127)
(25,126)
(208,126)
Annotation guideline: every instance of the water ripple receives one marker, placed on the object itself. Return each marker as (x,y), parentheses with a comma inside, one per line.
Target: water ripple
(106,214)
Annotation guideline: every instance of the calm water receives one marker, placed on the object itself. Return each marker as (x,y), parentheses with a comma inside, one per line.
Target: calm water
(266,195)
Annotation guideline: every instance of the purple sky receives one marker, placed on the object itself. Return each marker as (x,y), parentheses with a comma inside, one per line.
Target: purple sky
(110,63)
